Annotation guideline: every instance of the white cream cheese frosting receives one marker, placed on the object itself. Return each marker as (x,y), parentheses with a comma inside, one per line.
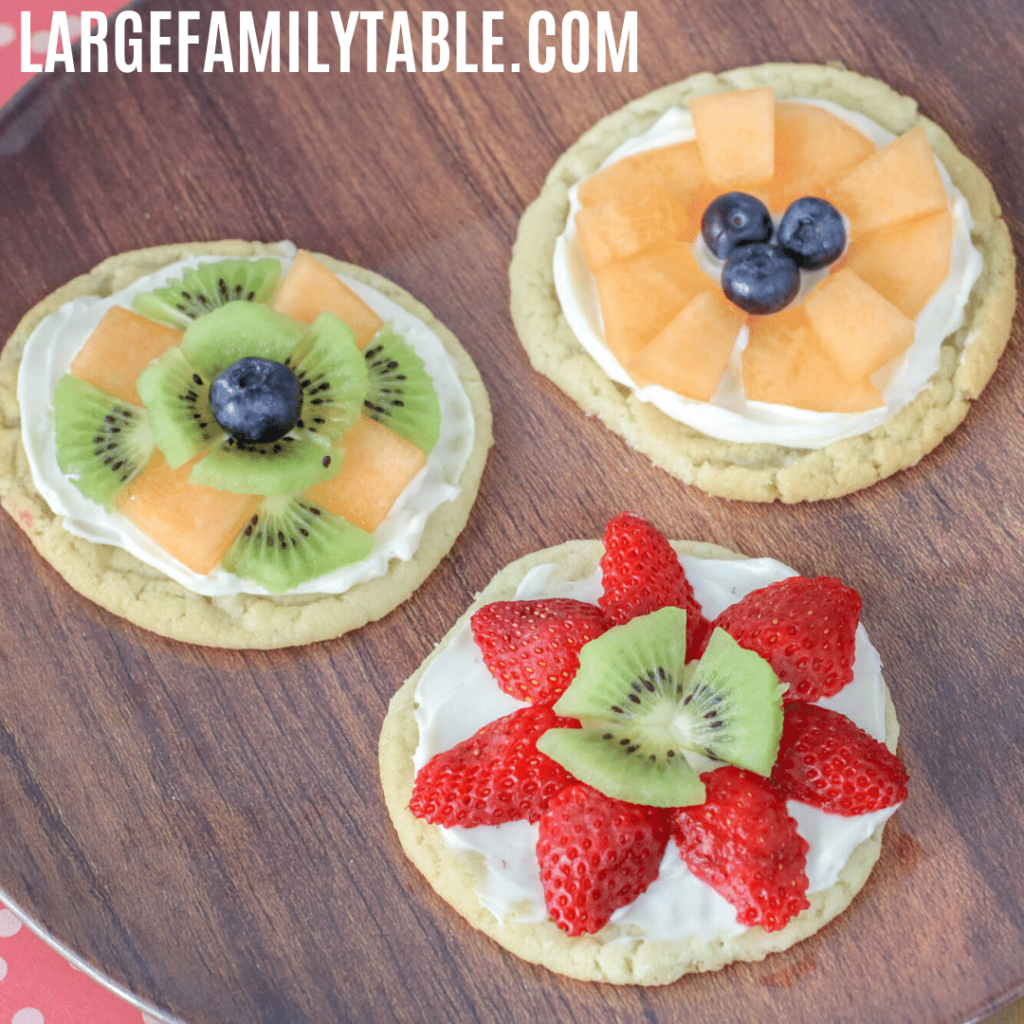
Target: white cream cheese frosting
(53,345)
(456,696)
(728,415)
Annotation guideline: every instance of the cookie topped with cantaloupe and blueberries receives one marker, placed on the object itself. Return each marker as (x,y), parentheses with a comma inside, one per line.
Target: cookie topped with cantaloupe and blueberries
(742,271)
(238,444)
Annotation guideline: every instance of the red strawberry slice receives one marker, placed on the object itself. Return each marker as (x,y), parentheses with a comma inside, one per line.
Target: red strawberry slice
(597,854)
(805,629)
(641,573)
(829,762)
(742,842)
(497,775)
(532,648)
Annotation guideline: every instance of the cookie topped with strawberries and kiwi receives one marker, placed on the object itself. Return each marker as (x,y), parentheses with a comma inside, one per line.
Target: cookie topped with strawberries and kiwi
(239,444)
(633,759)
(778,283)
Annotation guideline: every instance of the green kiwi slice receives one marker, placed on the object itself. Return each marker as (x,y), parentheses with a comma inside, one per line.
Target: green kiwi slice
(400,393)
(177,399)
(278,467)
(648,722)
(290,540)
(207,287)
(332,374)
(235,331)
(102,441)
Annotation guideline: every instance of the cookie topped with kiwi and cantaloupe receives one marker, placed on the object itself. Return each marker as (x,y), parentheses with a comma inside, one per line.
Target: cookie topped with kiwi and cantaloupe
(261,427)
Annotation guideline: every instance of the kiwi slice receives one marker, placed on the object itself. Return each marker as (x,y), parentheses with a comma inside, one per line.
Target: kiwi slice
(290,540)
(177,399)
(400,393)
(235,331)
(207,287)
(278,467)
(102,441)
(332,374)
(648,722)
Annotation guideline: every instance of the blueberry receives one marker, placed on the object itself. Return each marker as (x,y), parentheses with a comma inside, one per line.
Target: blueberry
(256,400)
(812,233)
(760,278)
(735,219)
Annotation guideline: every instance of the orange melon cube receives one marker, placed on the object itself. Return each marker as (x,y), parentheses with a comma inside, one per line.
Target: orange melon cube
(677,169)
(377,467)
(310,289)
(735,133)
(690,355)
(813,150)
(122,345)
(641,294)
(898,183)
(193,523)
(622,226)
(784,363)
(859,329)
(905,263)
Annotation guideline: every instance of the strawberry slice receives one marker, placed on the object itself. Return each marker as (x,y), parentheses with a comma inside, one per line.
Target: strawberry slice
(532,648)
(497,775)
(829,762)
(742,842)
(641,573)
(597,854)
(804,628)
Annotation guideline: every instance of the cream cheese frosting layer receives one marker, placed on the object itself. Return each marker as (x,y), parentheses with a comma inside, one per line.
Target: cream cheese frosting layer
(729,416)
(53,345)
(456,696)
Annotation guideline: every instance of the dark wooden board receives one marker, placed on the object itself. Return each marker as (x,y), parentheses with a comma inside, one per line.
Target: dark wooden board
(207,827)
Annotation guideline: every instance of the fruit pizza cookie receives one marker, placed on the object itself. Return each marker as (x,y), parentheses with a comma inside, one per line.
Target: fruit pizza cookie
(238,444)
(634,760)
(780,282)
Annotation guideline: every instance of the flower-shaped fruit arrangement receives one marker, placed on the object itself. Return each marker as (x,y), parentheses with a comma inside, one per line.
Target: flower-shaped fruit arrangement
(645,724)
(267,430)
(666,321)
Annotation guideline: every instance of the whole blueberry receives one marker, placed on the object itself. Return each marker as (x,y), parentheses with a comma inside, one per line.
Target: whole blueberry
(812,233)
(735,219)
(760,278)
(256,400)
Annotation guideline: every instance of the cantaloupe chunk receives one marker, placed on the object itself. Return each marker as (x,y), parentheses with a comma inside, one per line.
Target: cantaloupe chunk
(690,355)
(119,349)
(859,329)
(192,523)
(310,289)
(677,169)
(813,150)
(378,465)
(631,221)
(784,363)
(735,133)
(640,295)
(898,183)
(905,263)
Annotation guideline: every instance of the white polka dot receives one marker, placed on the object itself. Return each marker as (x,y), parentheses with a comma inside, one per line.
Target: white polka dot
(74,25)
(9,924)
(28,1016)
(3,968)
(146,1019)
(7,34)
(40,41)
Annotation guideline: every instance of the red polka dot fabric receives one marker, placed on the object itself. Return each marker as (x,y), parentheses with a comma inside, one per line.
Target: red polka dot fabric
(12,58)
(38,986)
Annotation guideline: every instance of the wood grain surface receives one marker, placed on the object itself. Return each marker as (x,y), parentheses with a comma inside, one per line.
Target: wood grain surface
(207,826)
